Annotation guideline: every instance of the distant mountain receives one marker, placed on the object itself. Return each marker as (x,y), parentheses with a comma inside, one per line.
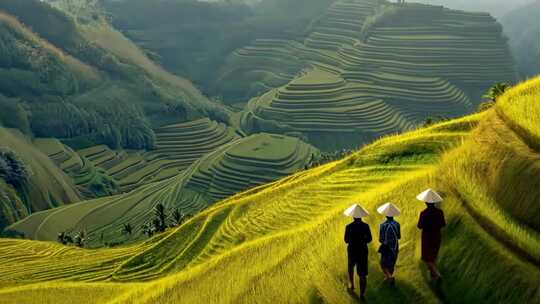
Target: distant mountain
(498,8)
(523,28)
(193,38)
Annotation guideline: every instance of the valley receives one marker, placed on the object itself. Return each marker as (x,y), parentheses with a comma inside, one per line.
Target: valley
(184,151)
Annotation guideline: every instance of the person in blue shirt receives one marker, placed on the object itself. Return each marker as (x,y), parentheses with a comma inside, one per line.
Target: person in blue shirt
(389,236)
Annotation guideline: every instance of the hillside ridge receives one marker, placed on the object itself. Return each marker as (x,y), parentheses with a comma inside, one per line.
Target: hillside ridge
(298,222)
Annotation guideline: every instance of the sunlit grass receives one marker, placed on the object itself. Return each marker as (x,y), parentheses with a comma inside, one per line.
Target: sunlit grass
(521,106)
(282,242)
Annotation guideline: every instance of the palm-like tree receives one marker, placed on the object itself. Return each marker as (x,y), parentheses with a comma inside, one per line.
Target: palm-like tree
(161,216)
(178,217)
(496,91)
(127,229)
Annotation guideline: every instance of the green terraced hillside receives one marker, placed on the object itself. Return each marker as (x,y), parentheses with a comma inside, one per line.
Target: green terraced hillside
(410,61)
(177,147)
(335,113)
(90,180)
(283,242)
(46,188)
(235,166)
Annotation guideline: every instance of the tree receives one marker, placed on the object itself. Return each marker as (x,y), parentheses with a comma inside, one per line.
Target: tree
(496,91)
(178,217)
(12,169)
(62,238)
(160,217)
(80,238)
(127,229)
(148,229)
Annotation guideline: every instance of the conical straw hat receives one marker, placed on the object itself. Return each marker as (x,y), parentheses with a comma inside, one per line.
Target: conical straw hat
(356,211)
(429,196)
(388,209)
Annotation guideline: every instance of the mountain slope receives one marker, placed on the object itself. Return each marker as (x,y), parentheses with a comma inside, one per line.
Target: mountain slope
(236,166)
(367,69)
(46,188)
(81,80)
(290,232)
(498,8)
(521,26)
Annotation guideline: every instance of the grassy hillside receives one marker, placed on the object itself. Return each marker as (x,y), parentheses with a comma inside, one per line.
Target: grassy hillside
(78,78)
(290,232)
(523,30)
(191,38)
(46,188)
(372,70)
(235,166)
(174,152)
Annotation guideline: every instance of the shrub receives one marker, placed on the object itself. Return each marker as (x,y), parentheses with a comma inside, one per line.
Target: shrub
(12,169)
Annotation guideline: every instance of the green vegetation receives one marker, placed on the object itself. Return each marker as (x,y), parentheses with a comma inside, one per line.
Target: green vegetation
(29,180)
(12,169)
(232,167)
(290,232)
(191,38)
(189,190)
(58,74)
(375,70)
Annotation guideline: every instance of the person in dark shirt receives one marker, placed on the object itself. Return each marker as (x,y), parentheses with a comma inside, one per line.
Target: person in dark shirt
(431,222)
(357,236)
(389,236)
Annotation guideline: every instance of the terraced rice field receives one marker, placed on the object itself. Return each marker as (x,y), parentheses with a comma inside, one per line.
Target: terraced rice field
(239,219)
(265,64)
(283,241)
(177,147)
(373,70)
(329,109)
(234,167)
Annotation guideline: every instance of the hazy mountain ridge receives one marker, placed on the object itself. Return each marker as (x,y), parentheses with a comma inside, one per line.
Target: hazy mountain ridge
(498,8)
(523,29)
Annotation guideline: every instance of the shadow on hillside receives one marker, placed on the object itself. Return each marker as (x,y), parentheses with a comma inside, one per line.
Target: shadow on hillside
(379,291)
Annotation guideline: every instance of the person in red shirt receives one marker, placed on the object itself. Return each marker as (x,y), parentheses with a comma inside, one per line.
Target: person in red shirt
(431,222)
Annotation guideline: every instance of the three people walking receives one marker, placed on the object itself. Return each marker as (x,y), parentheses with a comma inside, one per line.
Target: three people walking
(358,236)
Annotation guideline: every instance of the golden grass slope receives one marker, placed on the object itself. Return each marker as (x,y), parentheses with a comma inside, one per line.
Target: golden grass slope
(282,243)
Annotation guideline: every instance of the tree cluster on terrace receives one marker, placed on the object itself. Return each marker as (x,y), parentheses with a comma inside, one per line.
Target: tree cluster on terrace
(163,219)
(79,239)
(327,157)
